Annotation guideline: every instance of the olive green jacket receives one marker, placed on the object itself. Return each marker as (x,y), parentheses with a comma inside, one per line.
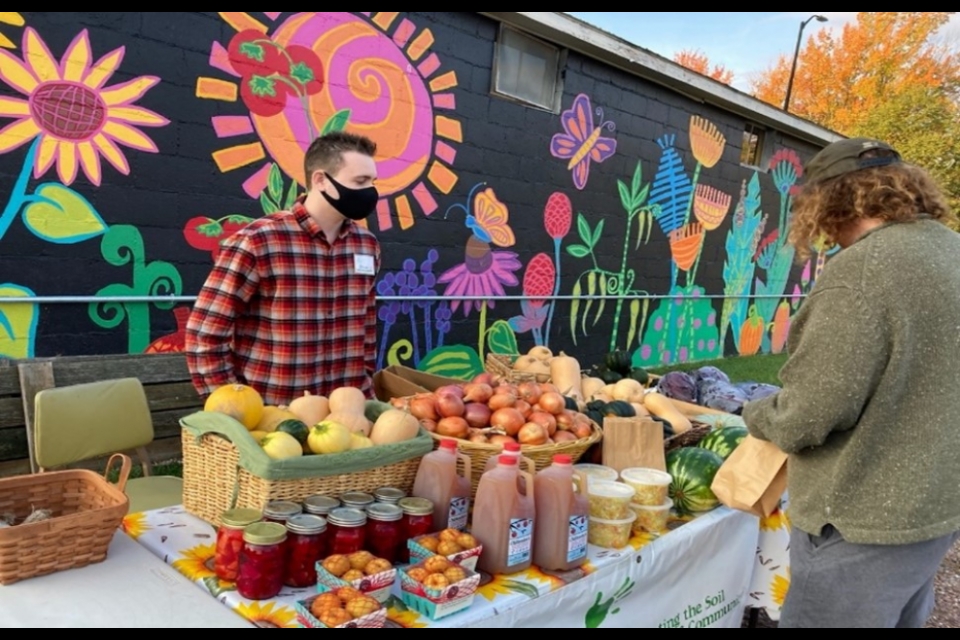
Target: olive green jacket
(870,407)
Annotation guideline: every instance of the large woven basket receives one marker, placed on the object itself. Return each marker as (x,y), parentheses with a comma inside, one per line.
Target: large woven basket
(542,456)
(87,511)
(214,481)
(501,367)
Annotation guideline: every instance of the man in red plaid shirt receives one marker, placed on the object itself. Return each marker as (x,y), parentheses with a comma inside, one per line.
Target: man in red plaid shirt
(290,304)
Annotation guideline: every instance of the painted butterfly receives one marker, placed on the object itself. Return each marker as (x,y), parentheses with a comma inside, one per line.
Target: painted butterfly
(582,142)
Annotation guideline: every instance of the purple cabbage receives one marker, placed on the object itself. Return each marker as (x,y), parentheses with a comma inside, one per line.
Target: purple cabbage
(677,385)
(723,396)
(757,391)
(712,374)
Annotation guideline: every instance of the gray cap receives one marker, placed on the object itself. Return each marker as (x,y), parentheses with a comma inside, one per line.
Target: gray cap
(850,155)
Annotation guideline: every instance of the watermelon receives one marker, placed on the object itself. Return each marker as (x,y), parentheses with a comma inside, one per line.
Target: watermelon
(724,441)
(295,428)
(693,470)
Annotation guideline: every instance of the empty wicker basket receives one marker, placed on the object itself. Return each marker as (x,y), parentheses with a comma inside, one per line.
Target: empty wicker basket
(86,513)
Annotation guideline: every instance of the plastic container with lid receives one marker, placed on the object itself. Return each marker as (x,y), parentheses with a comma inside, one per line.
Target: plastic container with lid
(610,500)
(438,481)
(306,545)
(417,521)
(347,531)
(612,534)
(652,519)
(262,561)
(230,541)
(320,505)
(652,486)
(385,531)
(279,511)
(560,543)
(357,500)
(389,495)
(595,472)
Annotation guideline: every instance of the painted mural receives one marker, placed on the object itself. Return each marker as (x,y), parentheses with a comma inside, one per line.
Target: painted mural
(578,274)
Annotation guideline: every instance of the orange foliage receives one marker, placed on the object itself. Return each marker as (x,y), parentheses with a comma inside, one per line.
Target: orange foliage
(698,61)
(841,78)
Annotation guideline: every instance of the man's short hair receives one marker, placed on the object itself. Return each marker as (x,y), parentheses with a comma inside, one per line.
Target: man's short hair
(326,152)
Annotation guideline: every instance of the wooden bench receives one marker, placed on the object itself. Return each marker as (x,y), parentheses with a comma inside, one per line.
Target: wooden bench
(165,378)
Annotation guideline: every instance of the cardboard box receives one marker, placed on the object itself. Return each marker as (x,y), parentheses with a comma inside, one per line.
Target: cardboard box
(400,382)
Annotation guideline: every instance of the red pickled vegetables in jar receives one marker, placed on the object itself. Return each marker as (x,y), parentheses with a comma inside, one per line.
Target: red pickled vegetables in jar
(226,562)
(263,561)
(306,546)
(347,531)
(385,535)
(417,521)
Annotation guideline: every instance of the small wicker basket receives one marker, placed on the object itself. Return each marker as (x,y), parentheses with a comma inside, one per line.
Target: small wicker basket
(501,367)
(87,512)
(214,481)
(691,438)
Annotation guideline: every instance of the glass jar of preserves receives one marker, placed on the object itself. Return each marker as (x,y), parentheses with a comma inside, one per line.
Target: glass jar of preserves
(230,541)
(279,511)
(417,521)
(357,500)
(262,561)
(385,531)
(320,505)
(306,545)
(389,495)
(347,531)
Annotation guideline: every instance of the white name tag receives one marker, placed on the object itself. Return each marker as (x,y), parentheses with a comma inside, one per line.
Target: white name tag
(364,265)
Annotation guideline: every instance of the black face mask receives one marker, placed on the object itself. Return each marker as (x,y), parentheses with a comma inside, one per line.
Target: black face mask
(355,204)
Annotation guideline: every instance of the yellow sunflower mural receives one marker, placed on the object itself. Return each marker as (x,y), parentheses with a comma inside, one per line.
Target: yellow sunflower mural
(779,588)
(13,18)
(68,112)
(269,615)
(135,525)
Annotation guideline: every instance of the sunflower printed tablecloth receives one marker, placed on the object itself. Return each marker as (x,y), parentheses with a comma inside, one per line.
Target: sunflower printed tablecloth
(188,544)
(771,577)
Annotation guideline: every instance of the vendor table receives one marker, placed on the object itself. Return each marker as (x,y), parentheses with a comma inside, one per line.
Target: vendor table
(698,575)
(130,589)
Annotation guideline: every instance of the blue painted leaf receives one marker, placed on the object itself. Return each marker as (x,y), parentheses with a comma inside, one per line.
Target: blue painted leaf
(502,340)
(59,214)
(672,188)
(458,361)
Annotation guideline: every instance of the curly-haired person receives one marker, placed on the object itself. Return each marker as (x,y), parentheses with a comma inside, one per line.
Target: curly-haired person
(869,411)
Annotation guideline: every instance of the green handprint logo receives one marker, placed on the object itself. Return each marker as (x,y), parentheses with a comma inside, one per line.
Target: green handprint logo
(598,613)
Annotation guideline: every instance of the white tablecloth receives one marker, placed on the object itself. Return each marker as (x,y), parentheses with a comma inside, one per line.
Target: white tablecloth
(132,588)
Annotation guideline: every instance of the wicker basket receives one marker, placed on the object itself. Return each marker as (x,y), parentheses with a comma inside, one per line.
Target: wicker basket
(87,511)
(690,438)
(214,481)
(502,367)
(542,456)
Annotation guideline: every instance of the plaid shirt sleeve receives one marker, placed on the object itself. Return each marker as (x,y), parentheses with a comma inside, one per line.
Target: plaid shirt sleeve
(371,341)
(210,331)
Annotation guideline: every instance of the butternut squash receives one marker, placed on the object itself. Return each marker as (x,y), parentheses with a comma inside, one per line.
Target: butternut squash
(310,409)
(541,353)
(354,422)
(640,408)
(348,400)
(524,363)
(394,426)
(628,390)
(591,387)
(566,376)
(660,406)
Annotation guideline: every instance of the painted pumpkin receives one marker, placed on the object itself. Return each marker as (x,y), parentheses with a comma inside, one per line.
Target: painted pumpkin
(751,333)
(175,342)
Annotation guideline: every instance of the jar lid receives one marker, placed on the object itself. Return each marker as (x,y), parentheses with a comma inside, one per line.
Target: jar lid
(240,518)
(306,525)
(265,533)
(282,510)
(357,499)
(320,505)
(385,512)
(347,518)
(417,506)
(389,495)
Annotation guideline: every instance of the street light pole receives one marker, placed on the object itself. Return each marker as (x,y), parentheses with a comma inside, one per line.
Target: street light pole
(796,56)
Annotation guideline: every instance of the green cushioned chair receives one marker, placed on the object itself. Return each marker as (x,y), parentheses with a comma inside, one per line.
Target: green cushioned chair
(87,421)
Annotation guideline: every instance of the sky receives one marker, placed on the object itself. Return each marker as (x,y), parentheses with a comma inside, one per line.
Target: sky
(744,42)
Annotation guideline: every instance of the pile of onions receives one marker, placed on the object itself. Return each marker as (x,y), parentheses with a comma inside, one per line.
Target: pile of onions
(487,411)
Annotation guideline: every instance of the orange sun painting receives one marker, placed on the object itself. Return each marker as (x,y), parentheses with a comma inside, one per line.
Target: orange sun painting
(369,73)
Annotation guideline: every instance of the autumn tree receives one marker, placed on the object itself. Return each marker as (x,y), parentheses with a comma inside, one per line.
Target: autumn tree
(842,78)
(696,60)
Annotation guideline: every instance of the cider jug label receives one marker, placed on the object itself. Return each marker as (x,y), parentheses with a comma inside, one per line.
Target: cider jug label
(577,542)
(521,539)
(459,513)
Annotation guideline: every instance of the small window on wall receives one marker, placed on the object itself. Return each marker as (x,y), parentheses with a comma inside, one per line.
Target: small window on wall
(753,153)
(527,70)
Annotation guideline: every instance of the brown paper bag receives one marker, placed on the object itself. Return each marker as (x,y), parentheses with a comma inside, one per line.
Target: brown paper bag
(753,478)
(630,443)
